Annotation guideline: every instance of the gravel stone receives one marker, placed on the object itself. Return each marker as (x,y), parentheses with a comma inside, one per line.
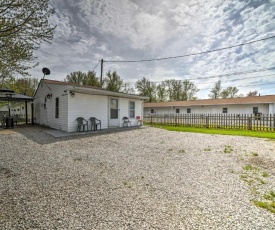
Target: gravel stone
(145,178)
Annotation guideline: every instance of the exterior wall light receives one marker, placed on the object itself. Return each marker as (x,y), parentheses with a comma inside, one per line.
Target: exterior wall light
(49,96)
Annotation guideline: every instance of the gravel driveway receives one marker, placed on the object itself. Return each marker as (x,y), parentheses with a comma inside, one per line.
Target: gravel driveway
(139,179)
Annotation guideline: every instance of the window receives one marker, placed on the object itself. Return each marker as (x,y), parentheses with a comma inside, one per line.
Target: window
(177,110)
(255,110)
(57,107)
(114,108)
(131,109)
(188,110)
(224,110)
(152,111)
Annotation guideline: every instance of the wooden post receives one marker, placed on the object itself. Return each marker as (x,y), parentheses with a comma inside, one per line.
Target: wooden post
(101,73)
(207,121)
(26,111)
(32,113)
(249,123)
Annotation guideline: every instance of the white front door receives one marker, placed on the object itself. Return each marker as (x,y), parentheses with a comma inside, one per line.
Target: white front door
(114,113)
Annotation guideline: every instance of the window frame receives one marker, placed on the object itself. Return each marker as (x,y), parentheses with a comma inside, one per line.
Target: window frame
(188,110)
(225,110)
(152,111)
(177,110)
(57,107)
(254,109)
(132,111)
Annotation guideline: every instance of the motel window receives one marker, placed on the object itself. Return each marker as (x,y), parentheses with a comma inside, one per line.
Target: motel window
(224,110)
(255,110)
(131,109)
(57,107)
(177,110)
(188,110)
(152,111)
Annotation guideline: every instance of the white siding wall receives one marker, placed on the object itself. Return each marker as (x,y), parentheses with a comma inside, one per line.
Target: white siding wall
(272,108)
(84,105)
(79,105)
(231,109)
(46,115)
(124,110)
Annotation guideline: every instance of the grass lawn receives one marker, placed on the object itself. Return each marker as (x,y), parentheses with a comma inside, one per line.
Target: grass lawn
(260,134)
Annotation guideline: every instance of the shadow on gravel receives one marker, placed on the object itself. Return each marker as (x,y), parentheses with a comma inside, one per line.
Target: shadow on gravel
(44,135)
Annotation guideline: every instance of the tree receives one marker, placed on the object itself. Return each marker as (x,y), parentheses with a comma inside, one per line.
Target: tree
(24,26)
(233,91)
(177,90)
(169,89)
(161,92)
(113,82)
(25,86)
(225,93)
(147,88)
(216,90)
(180,90)
(82,78)
(91,79)
(189,90)
(76,78)
(128,89)
(252,93)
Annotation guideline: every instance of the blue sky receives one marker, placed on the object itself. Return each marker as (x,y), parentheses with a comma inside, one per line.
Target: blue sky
(89,30)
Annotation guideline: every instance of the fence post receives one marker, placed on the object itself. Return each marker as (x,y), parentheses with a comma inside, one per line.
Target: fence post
(151,119)
(249,123)
(207,121)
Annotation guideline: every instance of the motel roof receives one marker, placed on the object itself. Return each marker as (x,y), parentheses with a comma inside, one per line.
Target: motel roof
(267,99)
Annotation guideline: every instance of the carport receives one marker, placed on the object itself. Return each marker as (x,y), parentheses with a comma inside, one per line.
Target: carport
(9,96)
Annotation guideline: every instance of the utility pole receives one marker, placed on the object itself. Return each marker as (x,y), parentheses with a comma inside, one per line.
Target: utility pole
(101,73)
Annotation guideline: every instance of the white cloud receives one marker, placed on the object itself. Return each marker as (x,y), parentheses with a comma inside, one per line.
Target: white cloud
(89,30)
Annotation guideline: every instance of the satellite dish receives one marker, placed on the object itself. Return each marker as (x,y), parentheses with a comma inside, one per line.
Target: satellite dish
(46,71)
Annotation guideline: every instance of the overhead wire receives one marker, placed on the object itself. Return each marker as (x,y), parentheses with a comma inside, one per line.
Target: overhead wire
(202,83)
(205,52)
(96,66)
(225,75)
(192,54)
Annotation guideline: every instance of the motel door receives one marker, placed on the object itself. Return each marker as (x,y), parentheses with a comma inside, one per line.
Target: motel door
(114,113)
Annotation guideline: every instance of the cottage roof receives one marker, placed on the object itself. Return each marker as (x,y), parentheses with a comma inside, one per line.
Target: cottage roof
(92,90)
(226,101)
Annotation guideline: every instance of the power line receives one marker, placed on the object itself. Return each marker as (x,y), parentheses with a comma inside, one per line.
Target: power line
(95,66)
(201,83)
(226,75)
(241,86)
(232,74)
(238,79)
(194,54)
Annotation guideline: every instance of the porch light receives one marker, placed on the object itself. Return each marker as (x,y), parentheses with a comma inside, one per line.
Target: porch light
(49,96)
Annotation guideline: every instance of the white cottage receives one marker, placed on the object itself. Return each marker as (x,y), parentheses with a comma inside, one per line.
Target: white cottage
(57,104)
(243,105)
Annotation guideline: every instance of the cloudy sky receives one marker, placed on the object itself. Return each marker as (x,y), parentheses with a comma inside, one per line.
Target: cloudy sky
(90,30)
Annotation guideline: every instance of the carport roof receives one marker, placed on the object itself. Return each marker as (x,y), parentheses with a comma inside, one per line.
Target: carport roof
(9,95)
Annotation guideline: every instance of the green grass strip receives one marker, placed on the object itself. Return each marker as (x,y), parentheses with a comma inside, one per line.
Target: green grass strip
(248,133)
